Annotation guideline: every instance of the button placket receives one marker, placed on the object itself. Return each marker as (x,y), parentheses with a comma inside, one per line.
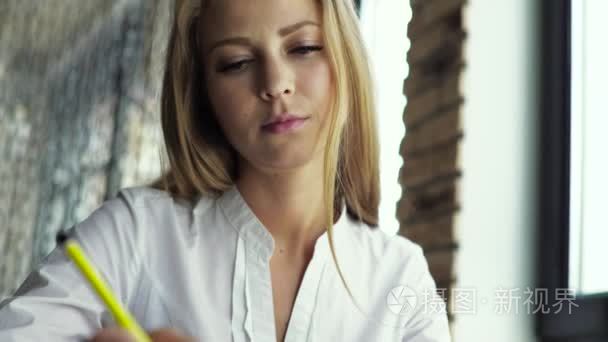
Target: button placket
(241,314)
(306,300)
(259,284)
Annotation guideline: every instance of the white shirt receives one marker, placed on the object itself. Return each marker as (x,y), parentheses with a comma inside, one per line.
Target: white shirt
(204,269)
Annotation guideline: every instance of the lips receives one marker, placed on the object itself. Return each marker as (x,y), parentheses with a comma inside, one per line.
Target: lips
(282,117)
(284,124)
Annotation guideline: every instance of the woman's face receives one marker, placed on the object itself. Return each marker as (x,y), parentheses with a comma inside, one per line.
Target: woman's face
(268,79)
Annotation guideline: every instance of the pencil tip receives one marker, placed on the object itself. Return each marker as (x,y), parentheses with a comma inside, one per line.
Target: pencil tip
(61,237)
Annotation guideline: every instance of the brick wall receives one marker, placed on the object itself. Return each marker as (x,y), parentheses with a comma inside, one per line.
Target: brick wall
(431,171)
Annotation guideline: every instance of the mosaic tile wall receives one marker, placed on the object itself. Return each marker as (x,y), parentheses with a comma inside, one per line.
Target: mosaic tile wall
(79,90)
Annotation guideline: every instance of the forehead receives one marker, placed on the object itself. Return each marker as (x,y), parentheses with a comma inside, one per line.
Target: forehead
(222,18)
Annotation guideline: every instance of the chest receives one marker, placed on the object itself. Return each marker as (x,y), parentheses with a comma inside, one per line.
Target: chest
(286,281)
(210,302)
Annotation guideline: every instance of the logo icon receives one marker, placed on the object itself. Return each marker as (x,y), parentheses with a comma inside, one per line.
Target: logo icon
(401,300)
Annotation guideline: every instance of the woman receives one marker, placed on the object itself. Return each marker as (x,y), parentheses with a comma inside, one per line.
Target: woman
(265,226)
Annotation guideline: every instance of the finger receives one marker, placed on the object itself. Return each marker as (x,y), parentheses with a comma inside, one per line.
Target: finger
(169,335)
(113,334)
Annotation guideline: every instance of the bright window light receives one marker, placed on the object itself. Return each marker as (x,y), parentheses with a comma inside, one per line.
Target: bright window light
(589,165)
(384,26)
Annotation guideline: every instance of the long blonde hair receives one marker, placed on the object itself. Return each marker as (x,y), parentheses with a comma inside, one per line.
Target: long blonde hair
(201,161)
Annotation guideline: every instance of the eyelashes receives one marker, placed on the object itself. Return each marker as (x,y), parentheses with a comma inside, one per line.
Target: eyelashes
(304,50)
(307,49)
(237,66)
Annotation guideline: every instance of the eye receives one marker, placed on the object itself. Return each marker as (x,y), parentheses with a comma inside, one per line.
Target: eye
(234,67)
(307,49)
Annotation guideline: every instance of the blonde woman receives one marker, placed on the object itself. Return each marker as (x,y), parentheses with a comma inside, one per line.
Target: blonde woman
(265,226)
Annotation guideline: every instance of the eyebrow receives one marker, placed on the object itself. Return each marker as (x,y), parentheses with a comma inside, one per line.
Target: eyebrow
(246,41)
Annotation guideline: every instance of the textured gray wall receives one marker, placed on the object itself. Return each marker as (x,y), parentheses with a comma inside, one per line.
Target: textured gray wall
(79,89)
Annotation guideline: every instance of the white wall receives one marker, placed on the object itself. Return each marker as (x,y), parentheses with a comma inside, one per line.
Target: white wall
(496,225)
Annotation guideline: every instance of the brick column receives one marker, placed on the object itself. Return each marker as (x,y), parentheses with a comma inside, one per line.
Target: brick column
(431,172)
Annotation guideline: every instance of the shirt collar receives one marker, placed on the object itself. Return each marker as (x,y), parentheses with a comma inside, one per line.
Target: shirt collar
(249,227)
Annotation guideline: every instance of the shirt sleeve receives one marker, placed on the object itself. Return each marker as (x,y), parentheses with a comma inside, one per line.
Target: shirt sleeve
(429,322)
(55,303)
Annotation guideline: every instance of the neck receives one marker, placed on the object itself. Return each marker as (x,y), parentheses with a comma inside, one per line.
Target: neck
(289,204)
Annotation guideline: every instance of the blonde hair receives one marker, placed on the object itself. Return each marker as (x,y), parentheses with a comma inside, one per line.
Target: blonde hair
(202,161)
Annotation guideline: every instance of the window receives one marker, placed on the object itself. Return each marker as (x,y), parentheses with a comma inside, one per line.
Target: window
(384,29)
(572,228)
(588,161)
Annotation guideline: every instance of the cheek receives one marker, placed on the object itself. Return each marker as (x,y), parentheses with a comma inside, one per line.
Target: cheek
(229,101)
(221,94)
(317,85)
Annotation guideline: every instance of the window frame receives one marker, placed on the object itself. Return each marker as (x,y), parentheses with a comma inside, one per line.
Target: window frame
(589,321)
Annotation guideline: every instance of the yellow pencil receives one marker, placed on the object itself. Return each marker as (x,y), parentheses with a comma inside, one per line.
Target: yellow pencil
(121,315)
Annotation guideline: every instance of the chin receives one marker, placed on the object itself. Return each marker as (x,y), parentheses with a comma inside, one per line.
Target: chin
(283,157)
(286,164)
(283,161)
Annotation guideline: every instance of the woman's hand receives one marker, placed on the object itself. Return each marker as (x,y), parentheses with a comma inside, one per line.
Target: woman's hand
(121,335)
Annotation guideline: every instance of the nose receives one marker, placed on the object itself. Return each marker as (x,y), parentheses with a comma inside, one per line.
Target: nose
(277,80)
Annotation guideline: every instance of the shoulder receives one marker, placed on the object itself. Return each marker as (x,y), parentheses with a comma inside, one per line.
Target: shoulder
(388,260)
(381,246)
(134,225)
(145,196)
(140,214)
(147,200)
(122,218)
(390,267)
